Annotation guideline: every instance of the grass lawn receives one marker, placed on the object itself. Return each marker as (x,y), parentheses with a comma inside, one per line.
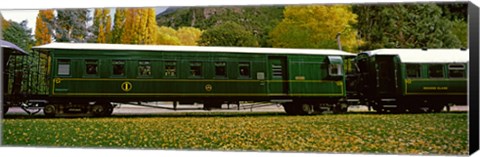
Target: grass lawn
(442,133)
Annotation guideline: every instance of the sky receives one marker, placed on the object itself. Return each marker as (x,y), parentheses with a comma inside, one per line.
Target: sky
(20,15)
(31,15)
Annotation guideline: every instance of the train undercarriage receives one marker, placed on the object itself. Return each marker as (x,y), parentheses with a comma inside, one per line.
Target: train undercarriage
(66,107)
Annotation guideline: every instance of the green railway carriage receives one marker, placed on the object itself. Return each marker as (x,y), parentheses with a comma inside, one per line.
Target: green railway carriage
(88,77)
(412,80)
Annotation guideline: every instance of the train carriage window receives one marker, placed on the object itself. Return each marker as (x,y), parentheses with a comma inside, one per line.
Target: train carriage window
(170,68)
(456,70)
(413,70)
(196,69)
(144,68)
(63,66)
(335,69)
(91,66)
(244,69)
(118,67)
(220,69)
(335,65)
(435,71)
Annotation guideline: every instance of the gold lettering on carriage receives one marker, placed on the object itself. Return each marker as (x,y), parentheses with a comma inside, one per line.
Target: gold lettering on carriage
(126,86)
(435,88)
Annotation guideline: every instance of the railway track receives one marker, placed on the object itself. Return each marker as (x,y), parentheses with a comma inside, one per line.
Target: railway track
(165,107)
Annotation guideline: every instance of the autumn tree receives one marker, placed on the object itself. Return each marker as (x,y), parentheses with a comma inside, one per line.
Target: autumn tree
(167,36)
(102,24)
(43,35)
(4,24)
(316,26)
(150,27)
(189,35)
(228,34)
(139,26)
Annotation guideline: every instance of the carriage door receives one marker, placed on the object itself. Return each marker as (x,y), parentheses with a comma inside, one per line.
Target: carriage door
(386,75)
(278,84)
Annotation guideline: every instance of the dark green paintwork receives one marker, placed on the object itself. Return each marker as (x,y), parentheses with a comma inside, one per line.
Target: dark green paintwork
(433,86)
(304,75)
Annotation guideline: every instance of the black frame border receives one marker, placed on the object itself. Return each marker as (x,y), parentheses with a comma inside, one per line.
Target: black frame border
(473,97)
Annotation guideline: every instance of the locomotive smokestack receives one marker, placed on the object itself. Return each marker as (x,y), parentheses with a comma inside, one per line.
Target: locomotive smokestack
(338,41)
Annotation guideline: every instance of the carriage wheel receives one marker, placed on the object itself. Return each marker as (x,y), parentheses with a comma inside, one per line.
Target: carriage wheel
(102,109)
(306,109)
(98,110)
(340,108)
(50,110)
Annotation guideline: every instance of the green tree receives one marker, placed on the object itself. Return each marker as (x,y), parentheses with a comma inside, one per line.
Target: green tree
(228,34)
(119,24)
(18,34)
(43,35)
(316,26)
(70,25)
(460,29)
(405,26)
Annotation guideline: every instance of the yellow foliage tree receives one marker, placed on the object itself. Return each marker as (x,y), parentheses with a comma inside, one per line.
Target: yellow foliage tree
(182,36)
(42,33)
(128,34)
(102,22)
(189,35)
(139,26)
(316,26)
(167,36)
(150,36)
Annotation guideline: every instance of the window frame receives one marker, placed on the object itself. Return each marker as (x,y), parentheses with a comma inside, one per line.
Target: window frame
(167,71)
(61,62)
(116,62)
(249,70)
(339,71)
(95,62)
(442,70)
(419,68)
(144,64)
(225,67)
(462,68)
(193,64)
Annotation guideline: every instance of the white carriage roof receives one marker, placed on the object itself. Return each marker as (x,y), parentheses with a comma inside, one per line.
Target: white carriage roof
(425,56)
(95,46)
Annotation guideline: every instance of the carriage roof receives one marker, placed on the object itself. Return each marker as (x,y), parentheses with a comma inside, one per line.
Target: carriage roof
(120,47)
(425,55)
(12,48)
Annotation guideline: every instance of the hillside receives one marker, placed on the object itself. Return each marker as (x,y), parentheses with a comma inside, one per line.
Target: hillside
(258,20)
